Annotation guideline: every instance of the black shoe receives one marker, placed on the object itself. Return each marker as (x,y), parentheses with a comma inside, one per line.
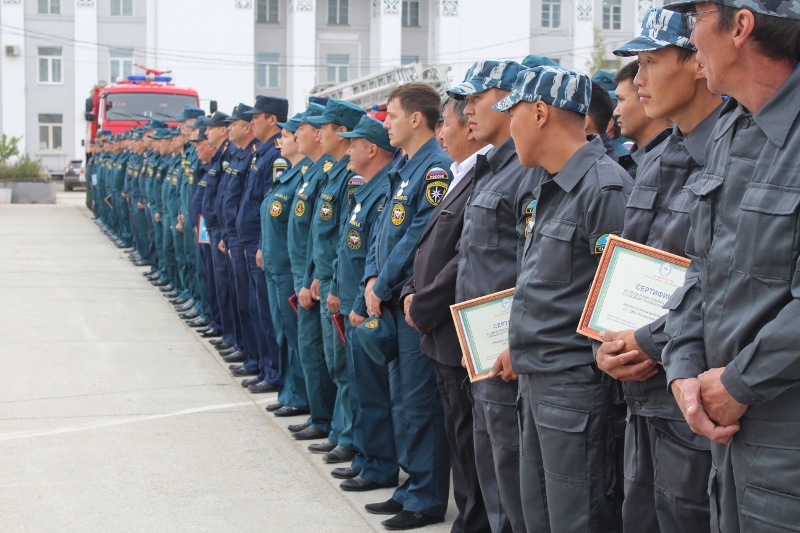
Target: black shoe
(178,301)
(294,428)
(170,294)
(310,433)
(235,357)
(262,387)
(203,329)
(391,506)
(410,520)
(290,411)
(219,342)
(141,263)
(344,473)
(243,372)
(234,367)
(249,381)
(151,275)
(271,408)
(167,288)
(227,351)
(194,313)
(199,322)
(160,282)
(360,484)
(322,447)
(211,333)
(221,346)
(187,305)
(340,454)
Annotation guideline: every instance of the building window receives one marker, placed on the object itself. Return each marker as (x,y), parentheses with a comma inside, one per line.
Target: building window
(50,128)
(337,11)
(337,67)
(49,7)
(407,60)
(120,63)
(267,70)
(410,13)
(50,64)
(551,13)
(267,11)
(612,14)
(121,8)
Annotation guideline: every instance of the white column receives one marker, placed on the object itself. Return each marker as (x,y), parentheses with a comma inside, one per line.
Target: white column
(85,66)
(445,28)
(13,68)
(151,33)
(301,53)
(582,34)
(385,35)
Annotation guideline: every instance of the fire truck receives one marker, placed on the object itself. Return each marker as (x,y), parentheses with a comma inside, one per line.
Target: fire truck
(135,101)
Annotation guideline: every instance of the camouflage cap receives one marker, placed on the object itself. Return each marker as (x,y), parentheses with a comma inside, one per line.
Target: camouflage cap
(555,86)
(789,9)
(660,28)
(533,60)
(485,75)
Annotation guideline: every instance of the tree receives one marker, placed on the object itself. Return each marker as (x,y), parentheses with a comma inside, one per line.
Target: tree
(597,61)
(9,147)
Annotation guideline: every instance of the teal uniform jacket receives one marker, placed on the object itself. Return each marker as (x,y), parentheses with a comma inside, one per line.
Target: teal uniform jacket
(260,178)
(275,210)
(158,185)
(416,187)
(187,179)
(150,184)
(332,204)
(134,166)
(171,200)
(118,167)
(301,213)
(357,233)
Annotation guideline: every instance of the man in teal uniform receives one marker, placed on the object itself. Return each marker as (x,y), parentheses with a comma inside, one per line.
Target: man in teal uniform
(375,465)
(288,173)
(320,387)
(332,203)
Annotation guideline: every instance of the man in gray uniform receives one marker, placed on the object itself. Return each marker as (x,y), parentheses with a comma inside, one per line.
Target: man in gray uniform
(571,422)
(666,464)
(490,248)
(732,360)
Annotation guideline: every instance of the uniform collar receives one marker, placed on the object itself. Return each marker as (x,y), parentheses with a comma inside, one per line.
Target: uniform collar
(339,165)
(696,141)
(500,155)
(289,174)
(377,180)
(407,167)
(268,145)
(780,112)
(579,164)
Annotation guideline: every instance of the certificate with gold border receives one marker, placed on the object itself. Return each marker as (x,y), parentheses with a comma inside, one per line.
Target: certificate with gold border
(482,327)
(632,284)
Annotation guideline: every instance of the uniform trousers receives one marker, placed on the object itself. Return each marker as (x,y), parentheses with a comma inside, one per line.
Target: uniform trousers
(666,471)
(290,372)
(241,301)
(371,403)
(210,286)
(261,316)
(169,252)
(223,279)
(319,386)
(335,358)
(453,383)
(496,435)
(427,457)
(152,254)
(571,445)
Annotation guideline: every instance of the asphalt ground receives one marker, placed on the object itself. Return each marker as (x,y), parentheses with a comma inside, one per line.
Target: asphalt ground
(115,416)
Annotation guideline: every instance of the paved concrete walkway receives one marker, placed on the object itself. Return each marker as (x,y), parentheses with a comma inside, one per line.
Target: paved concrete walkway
(114,416)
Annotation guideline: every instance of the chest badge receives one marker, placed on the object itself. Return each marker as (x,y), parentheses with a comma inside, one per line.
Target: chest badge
(275,209)
(326,211)
(353,240)
(398,214)
(300,208)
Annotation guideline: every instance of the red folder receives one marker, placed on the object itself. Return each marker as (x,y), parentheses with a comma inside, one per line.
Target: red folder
(293,302)
(338,323)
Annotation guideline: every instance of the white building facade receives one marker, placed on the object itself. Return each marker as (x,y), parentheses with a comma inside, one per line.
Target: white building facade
(55,51)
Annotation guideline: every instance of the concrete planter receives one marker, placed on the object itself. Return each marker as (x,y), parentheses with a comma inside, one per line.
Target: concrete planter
(29,191)
(5,196)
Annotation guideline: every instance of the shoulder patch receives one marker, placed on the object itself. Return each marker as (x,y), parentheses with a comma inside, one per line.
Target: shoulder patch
(436,173)
(607,176)
(356,180)
(435,191)
(278,168)
(602,241)
(327,166)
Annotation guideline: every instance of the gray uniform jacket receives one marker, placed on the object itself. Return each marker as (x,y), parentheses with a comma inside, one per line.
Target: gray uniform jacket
(658,215)
(739,307)
(575,212)
(494,223)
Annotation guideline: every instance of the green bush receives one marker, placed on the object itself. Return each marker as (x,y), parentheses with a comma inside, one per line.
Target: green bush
(24,167)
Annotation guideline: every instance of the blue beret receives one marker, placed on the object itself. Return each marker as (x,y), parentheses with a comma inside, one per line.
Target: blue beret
(339,112)
(189,112)
(155,124)
(372,130)
(292,124)
(314,110)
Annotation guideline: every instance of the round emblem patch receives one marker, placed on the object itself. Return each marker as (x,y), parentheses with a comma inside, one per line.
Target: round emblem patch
(326,211)
(371,324)
(353,240)
(435,191)
(300,208)
(398,214)
(275,209)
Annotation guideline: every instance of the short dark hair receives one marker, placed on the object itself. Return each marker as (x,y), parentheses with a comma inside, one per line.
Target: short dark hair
(627,72)
(457,107)
(601,107)
(418,97)
(778,37)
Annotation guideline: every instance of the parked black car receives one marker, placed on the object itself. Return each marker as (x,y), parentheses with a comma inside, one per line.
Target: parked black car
(74,175)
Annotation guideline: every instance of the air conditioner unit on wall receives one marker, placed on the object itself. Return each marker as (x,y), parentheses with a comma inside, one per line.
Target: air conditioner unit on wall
(13,50)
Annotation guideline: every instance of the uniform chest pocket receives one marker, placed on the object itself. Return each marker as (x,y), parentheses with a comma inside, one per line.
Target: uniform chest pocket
(702,215)
(765,234)
(642,197)
(483,214)
(554,256)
